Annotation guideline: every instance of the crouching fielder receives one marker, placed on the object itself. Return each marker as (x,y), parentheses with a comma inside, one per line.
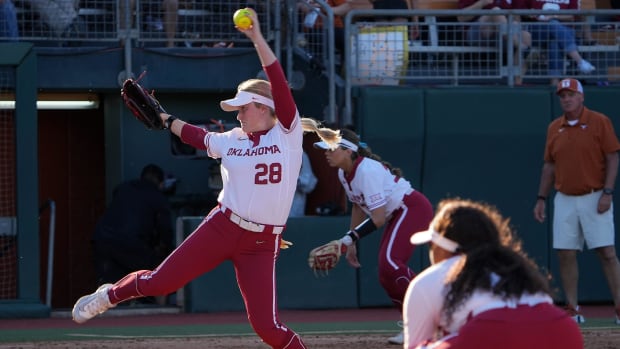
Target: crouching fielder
(482,291)
(380,197)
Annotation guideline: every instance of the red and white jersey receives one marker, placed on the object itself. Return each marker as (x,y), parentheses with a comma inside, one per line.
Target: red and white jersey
(423,304)
(259,171)
(259,181)
(371,185)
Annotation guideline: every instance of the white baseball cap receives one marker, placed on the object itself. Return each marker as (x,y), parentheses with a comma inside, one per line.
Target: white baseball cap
(431,235)
(343,143)
(243,98)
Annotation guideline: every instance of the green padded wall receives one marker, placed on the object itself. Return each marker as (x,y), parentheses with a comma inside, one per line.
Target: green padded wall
(484,144)
(298,286)
(487,144)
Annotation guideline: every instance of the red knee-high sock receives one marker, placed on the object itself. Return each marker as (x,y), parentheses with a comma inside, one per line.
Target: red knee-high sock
(126,288)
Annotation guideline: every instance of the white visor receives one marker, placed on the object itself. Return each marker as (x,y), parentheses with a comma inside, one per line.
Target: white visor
(343,143)
(431,235)
(243,98)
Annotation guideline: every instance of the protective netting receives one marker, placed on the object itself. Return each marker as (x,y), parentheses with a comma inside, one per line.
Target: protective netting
(8,235)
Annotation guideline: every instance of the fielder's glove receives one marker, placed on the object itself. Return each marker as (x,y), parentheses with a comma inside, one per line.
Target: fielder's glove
(144,106)
(326,257)
(285,244)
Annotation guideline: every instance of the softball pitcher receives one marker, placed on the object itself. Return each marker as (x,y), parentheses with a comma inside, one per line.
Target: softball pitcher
(260,163)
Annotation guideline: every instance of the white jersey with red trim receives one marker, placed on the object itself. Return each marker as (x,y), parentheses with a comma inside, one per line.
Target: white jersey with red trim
(372,185)
(423,304)
(259,181)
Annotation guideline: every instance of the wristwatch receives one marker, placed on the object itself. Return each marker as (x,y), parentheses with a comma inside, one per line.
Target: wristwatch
(608,191)
(169,121)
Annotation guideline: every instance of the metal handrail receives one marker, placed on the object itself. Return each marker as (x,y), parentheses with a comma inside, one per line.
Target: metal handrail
(51,204)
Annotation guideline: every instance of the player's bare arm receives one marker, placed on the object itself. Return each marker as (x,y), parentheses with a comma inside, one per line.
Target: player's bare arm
(611,171)
(546,183)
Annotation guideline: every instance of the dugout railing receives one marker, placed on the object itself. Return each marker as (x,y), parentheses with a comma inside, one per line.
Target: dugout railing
(379,47)
(71,23)
(382,53)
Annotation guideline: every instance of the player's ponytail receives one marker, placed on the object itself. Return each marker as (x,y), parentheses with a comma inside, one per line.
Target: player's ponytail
(327,135)
(365,151)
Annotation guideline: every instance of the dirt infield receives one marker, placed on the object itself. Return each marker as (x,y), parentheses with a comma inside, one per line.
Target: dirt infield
(594,339)
(198,331)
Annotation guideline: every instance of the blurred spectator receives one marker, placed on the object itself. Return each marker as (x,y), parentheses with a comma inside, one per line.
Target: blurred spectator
(340,9)
(60,16)
(135,232)
(391,5)
(485,30)
(615,4)
(306,182)
(313,27)
(152,19)
(413,32)
(8,21)
(552,33)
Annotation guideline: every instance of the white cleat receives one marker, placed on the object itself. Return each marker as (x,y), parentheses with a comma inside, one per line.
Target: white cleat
(579,318)
(91,305)
(398,339)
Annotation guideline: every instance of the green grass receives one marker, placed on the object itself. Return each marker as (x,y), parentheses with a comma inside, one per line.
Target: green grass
(99,333)
(215,330)
(599,324)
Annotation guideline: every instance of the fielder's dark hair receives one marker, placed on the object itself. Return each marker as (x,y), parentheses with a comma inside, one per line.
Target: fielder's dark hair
(152,173)
(492,256)
(332,137)
(364,150)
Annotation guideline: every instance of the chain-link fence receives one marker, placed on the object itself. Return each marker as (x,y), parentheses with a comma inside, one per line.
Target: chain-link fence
(165,23)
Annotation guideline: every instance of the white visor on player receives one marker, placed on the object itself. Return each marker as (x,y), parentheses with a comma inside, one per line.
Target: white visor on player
(243,98)
(343,143)
(431,235)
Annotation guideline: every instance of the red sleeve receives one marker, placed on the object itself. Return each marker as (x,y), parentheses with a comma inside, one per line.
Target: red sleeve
(574,5)
(465,3)
(194,136)
(282,97)
(520,4)
(506,5)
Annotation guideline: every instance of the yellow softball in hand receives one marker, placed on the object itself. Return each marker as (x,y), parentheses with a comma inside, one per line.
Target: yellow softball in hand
(242,19)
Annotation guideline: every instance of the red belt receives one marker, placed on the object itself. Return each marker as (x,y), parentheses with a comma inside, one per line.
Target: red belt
(251,226)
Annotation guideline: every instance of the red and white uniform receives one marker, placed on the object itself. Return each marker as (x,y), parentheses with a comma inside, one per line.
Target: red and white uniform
(259,174)
(371,185)
(259,181)
(532,321)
